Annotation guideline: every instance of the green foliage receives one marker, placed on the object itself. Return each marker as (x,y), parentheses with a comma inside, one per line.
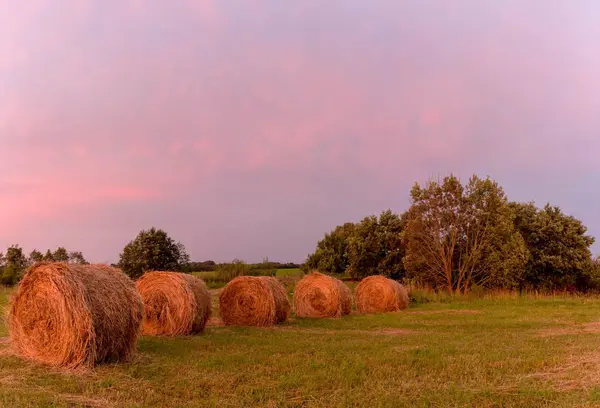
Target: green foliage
(35,256)
(265,268)
(559,246)
(152,250)
(370,247)
(13,265)
(76,257)
(206,266)
(49,256)
(375,247)
(9,275)
(457,236)
(227,271)
(60,255)
(331,255)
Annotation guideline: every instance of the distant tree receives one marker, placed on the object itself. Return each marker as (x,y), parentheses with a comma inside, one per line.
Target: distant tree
(205,266)
(559,248)
(60,255)
(152,250)
(457,236)
(376,246)
(288,265)
(49,256)
(35,256)
(76,257)
(15,263)
(331,255)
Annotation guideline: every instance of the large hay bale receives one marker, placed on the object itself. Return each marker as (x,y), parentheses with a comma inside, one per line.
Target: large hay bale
(319,295)
(378,294)
(175,304)
(75,316)
(254,301)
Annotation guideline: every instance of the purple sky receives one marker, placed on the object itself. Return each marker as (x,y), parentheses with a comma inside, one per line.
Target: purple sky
(249,129)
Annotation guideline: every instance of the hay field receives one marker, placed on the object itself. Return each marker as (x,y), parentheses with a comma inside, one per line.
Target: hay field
(506,351)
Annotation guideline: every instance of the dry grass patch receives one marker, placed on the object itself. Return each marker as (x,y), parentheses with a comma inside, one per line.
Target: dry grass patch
(587,328)
(445,311)
(580,371)
(389,331)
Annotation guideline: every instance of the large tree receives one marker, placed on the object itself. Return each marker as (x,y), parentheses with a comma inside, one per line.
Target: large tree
(456,236)
(375,247)
(152,250)
(559,246)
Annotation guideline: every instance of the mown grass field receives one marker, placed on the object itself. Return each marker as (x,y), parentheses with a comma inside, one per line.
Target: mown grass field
(507,351)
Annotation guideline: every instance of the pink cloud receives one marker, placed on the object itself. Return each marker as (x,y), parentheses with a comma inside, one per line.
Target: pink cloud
(198,100)
(44,198)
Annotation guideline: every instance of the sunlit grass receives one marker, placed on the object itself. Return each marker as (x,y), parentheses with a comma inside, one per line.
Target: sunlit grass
(500,351)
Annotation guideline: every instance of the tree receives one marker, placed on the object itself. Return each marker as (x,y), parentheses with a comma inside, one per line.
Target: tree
(15,263)
(376,247)
(457,236)
(559,247)
(35,256)
(152,250)
(206,266)
(60,255)
(331,255)
(48,256)
(76,257)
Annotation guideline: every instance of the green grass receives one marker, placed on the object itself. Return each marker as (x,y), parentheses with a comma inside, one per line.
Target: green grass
(507,351)
(214,282)
(290,272)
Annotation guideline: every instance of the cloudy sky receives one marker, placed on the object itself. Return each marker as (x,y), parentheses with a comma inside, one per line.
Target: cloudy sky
(250,128)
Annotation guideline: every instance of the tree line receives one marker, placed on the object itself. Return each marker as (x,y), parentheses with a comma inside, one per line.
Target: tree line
(151,250)
(14,262)
(455,236)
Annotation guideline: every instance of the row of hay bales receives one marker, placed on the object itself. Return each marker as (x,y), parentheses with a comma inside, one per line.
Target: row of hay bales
(78,316)
(262,301)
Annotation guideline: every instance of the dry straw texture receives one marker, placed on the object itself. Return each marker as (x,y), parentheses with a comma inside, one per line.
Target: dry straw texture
(254,301)
(75,316)
(319,295)
(175,304)
(378,294)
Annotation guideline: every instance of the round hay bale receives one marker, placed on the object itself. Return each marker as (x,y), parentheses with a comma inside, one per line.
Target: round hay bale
(254,301)
(75,316)
(175,304)
(319,295)
(378,294)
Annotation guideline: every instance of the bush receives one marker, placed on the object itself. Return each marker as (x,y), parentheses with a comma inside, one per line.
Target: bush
(9,276)
(228,271)
(418,296)
(152,250)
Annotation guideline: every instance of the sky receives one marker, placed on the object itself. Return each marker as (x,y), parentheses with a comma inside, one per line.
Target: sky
(248,129)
